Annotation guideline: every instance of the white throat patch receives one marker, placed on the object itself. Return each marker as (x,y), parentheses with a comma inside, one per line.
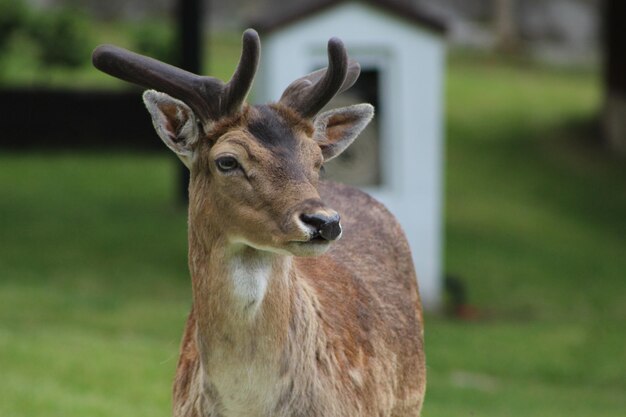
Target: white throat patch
(250,276)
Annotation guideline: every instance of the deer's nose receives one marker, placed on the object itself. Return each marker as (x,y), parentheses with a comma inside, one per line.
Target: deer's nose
(326,225)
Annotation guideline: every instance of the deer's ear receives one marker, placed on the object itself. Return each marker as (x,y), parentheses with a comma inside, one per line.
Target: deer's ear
(174,122)
(336,129)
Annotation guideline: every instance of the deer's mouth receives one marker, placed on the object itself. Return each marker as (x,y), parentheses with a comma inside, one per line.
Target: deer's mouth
(317,237)
(318,240)
(313,246)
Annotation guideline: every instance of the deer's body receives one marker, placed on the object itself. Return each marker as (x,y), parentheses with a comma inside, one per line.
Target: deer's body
(281,326)
(335,335)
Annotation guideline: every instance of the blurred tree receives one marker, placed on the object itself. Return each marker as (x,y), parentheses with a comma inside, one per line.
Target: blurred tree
(507,38)
(62,36)
(615,74)
(13,14)
(153,38)
(113,9)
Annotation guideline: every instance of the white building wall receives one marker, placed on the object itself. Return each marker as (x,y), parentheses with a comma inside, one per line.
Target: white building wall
(411,61)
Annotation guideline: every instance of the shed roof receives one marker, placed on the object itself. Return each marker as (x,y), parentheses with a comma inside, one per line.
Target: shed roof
(276,21)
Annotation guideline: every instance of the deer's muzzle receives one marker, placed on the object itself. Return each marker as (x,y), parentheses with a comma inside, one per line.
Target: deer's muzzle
(325,224)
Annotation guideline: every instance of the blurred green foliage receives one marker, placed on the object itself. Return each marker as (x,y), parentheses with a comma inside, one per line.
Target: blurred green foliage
(34,41)
(51,47)
(63,37)
(13,14)
(155,39)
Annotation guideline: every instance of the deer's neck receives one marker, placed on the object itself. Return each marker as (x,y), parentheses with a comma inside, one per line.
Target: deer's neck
(241,296)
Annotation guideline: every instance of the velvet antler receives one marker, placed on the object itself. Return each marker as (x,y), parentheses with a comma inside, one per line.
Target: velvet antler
(208,97)
(309,94)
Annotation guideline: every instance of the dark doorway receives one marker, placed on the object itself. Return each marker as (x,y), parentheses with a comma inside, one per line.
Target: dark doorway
(360,164)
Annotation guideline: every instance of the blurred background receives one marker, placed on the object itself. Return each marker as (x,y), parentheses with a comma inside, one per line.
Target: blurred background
(94,287)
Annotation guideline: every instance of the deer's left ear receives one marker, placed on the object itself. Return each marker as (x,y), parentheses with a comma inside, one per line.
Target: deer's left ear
(336,129)
(174,122)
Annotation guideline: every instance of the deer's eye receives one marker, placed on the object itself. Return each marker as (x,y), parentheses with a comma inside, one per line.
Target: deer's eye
(226,163)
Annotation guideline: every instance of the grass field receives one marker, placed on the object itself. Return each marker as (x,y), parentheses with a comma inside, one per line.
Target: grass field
(94,289)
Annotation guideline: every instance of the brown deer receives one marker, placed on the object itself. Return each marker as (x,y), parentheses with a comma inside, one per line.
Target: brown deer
(284,321)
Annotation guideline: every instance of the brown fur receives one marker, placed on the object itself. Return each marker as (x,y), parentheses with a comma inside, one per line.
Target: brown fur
(335,335)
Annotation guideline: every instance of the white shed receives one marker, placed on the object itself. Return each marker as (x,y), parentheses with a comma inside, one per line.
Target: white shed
(402,56)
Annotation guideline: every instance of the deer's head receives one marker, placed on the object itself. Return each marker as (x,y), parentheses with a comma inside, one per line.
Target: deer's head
(254,169)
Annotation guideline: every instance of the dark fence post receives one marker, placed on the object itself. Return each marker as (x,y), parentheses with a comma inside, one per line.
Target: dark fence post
(615,74)
(190,45)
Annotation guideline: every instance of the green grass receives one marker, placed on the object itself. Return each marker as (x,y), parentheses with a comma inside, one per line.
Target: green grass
(535,226)
(94,289)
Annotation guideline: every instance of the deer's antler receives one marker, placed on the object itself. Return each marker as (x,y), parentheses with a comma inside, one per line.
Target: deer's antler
(208,97)
(307,95)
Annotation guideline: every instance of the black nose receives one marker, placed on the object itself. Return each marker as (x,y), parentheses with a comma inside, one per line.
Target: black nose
(327,227)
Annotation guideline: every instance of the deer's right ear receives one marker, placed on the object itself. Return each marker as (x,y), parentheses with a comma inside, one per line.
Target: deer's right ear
(174,122)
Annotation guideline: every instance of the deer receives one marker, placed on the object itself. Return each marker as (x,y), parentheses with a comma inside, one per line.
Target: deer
(305,299)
